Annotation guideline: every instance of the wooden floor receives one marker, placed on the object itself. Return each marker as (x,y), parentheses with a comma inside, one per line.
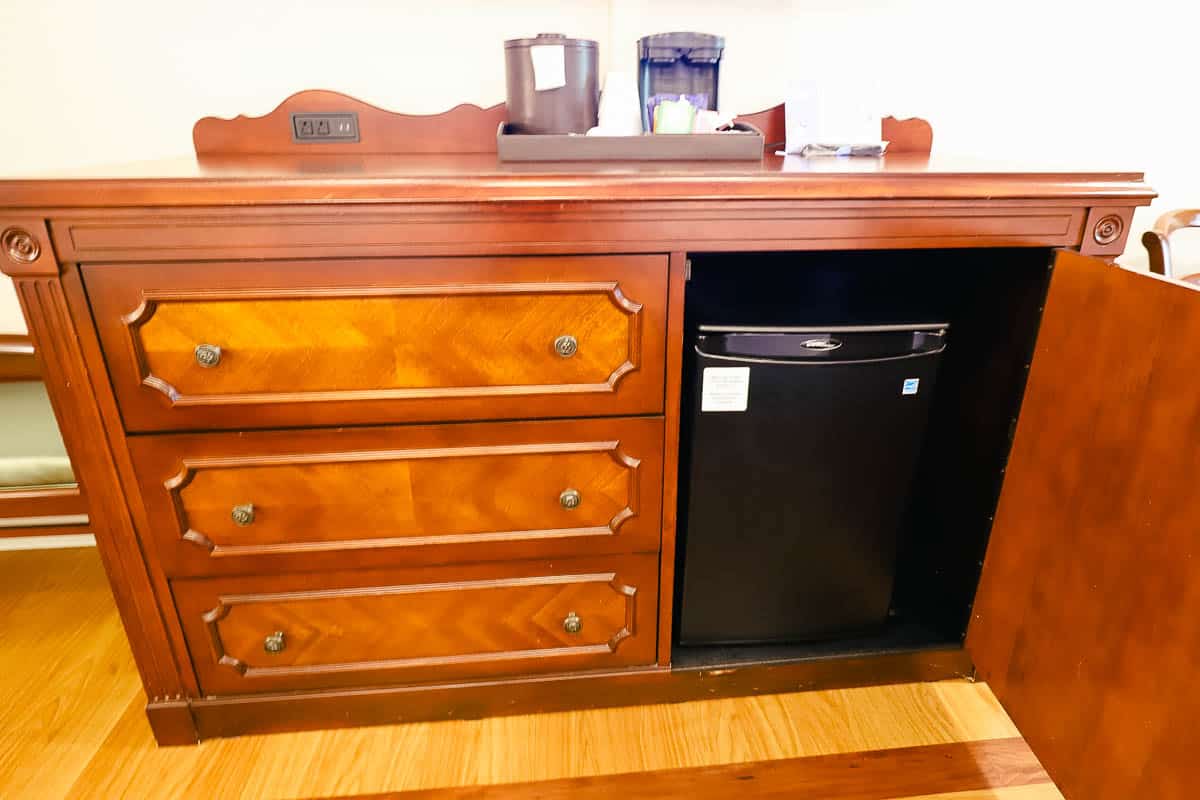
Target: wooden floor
(71,725)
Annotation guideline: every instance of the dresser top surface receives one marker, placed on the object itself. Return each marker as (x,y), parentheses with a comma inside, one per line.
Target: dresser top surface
(292,179)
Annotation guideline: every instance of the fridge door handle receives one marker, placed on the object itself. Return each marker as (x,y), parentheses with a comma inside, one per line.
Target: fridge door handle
(799,362)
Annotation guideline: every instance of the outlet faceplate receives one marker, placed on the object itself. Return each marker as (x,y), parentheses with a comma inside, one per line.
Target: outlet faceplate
(331,127)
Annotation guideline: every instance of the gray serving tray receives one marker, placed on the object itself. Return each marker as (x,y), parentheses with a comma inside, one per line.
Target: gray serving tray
(743,143)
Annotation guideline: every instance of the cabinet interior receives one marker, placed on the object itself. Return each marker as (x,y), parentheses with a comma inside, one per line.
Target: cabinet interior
(992,299)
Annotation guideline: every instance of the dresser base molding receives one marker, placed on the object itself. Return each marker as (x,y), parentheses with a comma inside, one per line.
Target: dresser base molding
(275,713)
(172,722)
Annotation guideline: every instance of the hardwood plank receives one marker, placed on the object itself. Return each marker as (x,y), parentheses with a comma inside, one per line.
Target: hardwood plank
(57,617)
(544,746)
(1032,791)
(66,674)
(871,775)
(84,733)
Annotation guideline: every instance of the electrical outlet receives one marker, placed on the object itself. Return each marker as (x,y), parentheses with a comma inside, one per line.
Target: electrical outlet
(333,127)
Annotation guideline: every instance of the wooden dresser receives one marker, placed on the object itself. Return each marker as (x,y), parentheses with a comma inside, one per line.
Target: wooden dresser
(372,437)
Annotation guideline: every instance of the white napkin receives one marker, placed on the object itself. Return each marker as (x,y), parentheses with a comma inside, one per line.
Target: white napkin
(829,122)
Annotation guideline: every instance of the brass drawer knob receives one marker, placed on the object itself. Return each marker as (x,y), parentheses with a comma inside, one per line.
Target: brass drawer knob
(566,346)
(569,499)
(274,642)
(243,515)
(572,624)
(208,355)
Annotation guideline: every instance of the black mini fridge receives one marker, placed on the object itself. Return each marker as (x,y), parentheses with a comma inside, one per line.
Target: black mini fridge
(803,449)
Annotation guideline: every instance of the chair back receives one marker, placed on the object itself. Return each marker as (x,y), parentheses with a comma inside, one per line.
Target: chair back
(1158,243)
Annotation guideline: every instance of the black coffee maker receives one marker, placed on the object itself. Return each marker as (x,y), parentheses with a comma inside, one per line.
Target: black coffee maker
(678,63)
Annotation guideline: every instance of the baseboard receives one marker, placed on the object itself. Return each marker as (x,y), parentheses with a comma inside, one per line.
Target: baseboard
(47,542)
(240,715)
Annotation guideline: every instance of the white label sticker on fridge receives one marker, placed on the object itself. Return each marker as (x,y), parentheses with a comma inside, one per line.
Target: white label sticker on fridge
(911,385)
(725,389)
(549,66)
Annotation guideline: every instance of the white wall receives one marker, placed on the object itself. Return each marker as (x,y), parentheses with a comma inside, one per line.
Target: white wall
(1094,82)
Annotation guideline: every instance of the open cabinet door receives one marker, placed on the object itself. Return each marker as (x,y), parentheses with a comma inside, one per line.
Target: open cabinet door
(1087,620)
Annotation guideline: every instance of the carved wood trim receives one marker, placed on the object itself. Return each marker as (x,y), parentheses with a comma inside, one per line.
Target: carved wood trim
(191,467)
(630,593)
(465,128)
(141,315)
(227,603)
(1105,231)
(104,399)
(26,248)
(78,411)
(910,135)
(772,122)
(471,229)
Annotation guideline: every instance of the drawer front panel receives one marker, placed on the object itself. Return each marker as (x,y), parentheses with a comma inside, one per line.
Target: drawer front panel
(223,503)
(220,346)
(280,632)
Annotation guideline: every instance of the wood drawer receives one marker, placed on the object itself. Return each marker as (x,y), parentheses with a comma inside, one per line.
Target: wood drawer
(375,341)
(308,631)
(403,495)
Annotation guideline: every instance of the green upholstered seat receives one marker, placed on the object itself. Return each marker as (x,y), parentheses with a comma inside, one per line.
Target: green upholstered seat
(31,450)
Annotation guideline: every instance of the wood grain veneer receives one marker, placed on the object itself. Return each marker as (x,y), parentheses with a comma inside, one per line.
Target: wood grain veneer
(405,340)
(419,625)
(1085,621)
(402,495)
